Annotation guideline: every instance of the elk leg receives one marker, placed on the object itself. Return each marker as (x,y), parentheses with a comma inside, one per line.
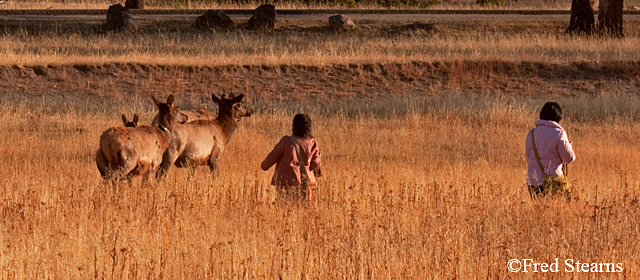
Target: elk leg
(103,165)
(192,170)
(147,177)
(124,172)
(168,159)
(213,159)
(164,167)
(213,168)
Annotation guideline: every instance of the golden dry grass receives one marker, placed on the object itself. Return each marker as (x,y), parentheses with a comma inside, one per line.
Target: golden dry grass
(305,42)
(186,4)
(198,4)
(429,188)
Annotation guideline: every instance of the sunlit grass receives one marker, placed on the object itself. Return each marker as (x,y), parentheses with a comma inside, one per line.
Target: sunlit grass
(412,188)
(309,44)
(185,4)
(288,4)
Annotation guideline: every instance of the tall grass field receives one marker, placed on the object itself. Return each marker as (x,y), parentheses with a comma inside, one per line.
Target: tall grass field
(413,188)
(308,42)
(421,132)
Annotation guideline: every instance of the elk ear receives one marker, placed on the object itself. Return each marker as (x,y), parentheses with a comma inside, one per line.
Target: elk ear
(215,98)
(136,118)
(182,118)
(155,100)
(238,98)
(124,119)
(170,100)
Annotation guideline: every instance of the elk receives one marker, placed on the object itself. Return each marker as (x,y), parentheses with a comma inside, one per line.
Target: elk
(128,151)
(188,116)
(128,123)
(202,142)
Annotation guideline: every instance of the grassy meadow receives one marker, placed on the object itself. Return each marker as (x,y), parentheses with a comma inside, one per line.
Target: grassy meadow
(423,153)
(428,188)
(292,4)
(307,42)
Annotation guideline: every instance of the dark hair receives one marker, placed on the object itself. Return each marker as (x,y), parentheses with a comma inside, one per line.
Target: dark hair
(551,111)
(302,126)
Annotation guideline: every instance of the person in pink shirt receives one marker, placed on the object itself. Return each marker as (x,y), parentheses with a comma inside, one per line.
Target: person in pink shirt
(288,177)
(554,148)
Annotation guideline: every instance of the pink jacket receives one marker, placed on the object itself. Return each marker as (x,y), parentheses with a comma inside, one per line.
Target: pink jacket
(283,155)
(554,150)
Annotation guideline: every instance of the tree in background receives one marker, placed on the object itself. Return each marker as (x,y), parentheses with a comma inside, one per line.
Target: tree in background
(610,17)
(582,18)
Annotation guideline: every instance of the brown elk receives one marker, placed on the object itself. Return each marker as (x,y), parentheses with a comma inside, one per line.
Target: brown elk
(128,123)
(128,151)
(188,116)
(202,142)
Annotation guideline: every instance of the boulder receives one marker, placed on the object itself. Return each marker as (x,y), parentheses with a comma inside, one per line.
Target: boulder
(215,20)
(341,22)
(119,19)
(134,4)
(264,18)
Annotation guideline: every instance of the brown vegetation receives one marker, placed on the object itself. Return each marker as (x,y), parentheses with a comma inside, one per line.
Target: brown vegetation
(429,187)
(423,158)
(312,43)
(324,84)
(368,4)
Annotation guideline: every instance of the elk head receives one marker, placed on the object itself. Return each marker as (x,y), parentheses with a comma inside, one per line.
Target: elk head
(230,107)
(128,123)
(169,114)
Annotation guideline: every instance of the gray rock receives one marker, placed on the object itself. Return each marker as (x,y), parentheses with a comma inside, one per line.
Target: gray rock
(341,22)
(119,19)
(264,18)
(215,20)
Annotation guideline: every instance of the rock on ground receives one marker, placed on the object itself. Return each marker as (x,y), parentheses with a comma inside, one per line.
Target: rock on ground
(341,22)
(119,19)
(215,20)
(264,18)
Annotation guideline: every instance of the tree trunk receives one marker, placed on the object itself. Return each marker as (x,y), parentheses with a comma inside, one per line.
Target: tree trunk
(610,17)
(582,17)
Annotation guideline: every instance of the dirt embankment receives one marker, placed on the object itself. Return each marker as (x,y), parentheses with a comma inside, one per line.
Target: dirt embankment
(365,81)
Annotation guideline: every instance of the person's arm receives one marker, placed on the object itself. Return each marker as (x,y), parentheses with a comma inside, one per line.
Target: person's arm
(274,156)
(528,146)
(565,150)
(316,157)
